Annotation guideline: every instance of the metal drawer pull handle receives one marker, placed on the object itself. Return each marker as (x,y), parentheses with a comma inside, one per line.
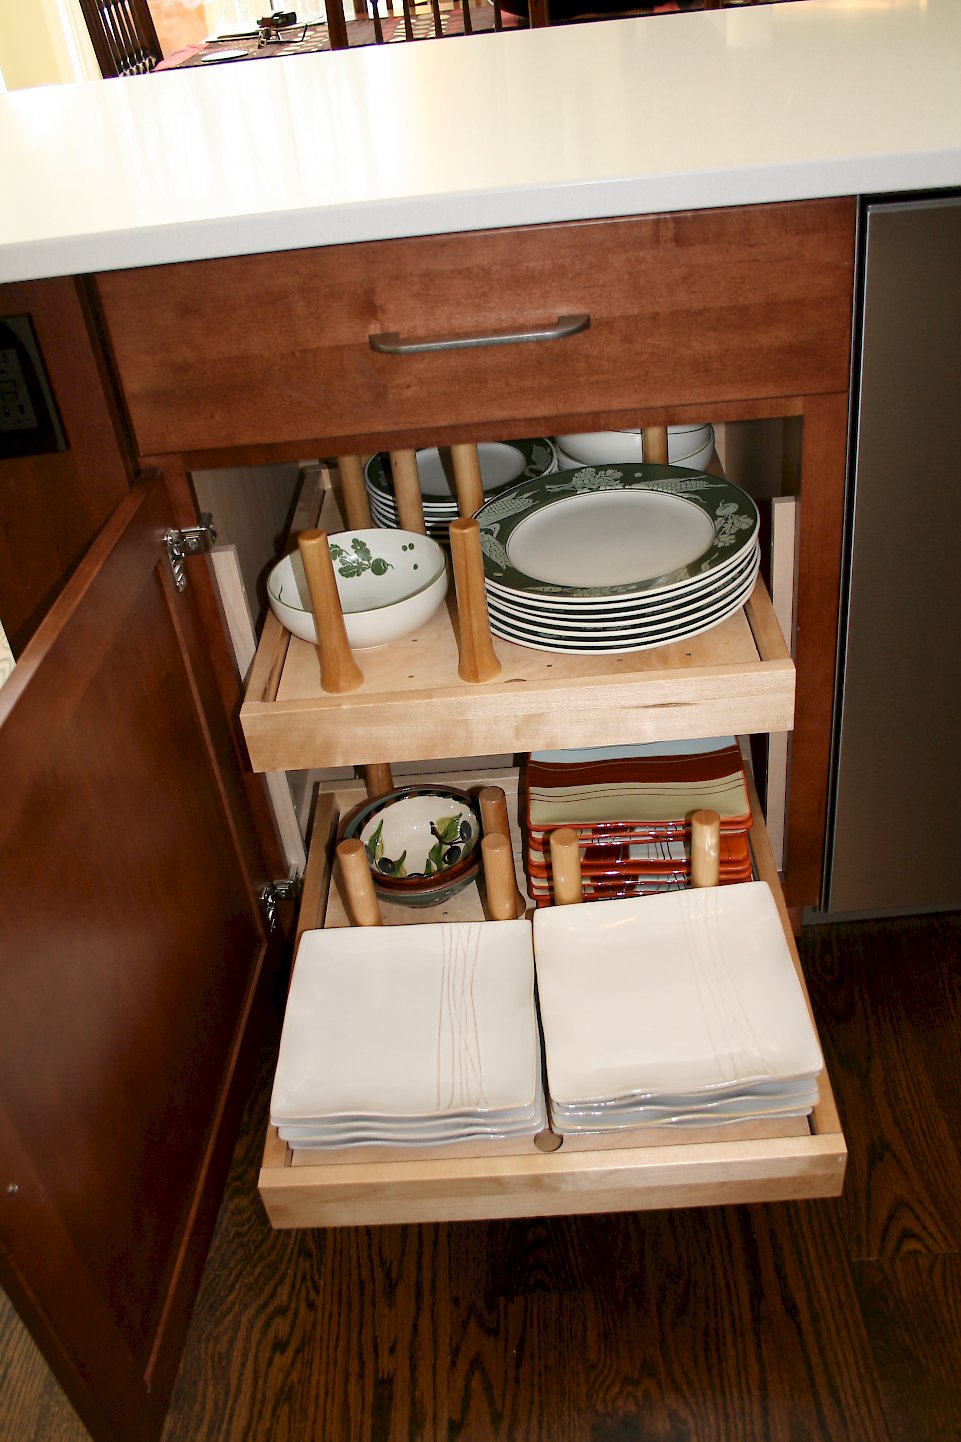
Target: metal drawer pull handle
(391,343)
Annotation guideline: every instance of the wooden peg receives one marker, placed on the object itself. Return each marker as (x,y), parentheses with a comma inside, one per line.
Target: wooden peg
(705,848)
(360,898)
(467,479)
(566,866)
(655,445)
(477,660)
(354,493)
(504,901)
(338,669)
(410,501)
(378,778)
(493,810)
(496,822)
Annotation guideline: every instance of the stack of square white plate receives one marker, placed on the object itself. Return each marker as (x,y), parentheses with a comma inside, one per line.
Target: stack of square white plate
(680,1009)
(618,558)
(411,1036)
(502,464)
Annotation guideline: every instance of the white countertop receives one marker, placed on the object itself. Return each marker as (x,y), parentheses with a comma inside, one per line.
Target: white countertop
(766,103)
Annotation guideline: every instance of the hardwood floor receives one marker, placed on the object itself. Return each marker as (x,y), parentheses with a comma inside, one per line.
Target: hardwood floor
(835,1321)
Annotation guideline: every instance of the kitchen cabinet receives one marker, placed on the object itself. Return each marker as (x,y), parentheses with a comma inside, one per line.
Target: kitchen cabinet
(742,313)
(722,315)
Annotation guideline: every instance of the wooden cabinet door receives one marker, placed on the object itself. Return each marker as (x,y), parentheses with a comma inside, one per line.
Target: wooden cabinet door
(131,961)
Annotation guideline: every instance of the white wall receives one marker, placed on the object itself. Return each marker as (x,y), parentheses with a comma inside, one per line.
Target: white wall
(44,42)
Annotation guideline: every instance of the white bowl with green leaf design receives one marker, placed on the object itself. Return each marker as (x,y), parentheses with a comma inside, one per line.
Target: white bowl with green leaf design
(389,583)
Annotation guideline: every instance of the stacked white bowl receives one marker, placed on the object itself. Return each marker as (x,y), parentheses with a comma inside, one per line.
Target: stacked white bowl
(690,445)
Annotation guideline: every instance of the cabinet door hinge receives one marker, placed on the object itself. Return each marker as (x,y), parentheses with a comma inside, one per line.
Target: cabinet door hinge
(191,541)
(275,892)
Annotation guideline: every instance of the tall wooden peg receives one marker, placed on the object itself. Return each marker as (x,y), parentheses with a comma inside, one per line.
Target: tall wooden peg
(705,848)
(359,895)
(655,445)
(410,501)
(338,669)
(566,867)
(467,479)
(354,493)
(493,809)
(477,661)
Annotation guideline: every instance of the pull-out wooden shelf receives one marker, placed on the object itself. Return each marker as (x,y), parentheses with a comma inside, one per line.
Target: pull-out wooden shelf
(735,679)
(747,1162)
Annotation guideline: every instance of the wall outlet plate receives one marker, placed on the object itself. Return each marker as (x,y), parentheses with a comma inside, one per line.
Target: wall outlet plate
(29,422)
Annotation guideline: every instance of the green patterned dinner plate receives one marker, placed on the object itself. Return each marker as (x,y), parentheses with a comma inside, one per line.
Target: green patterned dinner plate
(503,463)
(604,531)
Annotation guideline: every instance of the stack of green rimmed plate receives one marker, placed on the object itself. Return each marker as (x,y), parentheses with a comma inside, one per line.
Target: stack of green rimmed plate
(619,558)
(502,464)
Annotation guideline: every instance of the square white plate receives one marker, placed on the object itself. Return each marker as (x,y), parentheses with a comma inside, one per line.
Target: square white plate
(409,1021)
(677,992)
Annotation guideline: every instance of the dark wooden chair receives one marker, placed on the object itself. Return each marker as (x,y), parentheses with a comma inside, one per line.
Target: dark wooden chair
(416,25)
(123,34)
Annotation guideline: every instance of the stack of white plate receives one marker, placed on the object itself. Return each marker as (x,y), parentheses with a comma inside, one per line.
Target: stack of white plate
(608,559)
(502,464)
(411,1036)
(680,1009)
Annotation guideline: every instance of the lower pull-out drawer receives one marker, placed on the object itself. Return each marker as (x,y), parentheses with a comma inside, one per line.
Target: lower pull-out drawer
(742,1162)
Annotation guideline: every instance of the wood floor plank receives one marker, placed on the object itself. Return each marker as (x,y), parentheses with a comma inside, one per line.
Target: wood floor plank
(32,1406)
(887,996)
(517,1331)
(912,1310)
(736,1323)
(516,1371)
(381,1310)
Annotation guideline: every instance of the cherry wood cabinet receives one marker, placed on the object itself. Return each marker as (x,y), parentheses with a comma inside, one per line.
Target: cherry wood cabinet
(133,951)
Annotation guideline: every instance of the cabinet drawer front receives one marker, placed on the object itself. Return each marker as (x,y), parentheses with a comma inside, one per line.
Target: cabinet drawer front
(688,309)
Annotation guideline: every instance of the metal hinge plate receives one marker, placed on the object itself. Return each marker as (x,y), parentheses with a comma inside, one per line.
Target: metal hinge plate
(191,541)
(275,892)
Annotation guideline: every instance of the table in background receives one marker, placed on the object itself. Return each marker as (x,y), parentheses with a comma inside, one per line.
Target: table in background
(317,37)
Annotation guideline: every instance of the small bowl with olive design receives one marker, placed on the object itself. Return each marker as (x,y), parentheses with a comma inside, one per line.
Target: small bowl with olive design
(421,842)
(389,582)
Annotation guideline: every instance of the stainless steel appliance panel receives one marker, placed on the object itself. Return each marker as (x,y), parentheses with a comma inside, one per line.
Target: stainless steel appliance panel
(897,795)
